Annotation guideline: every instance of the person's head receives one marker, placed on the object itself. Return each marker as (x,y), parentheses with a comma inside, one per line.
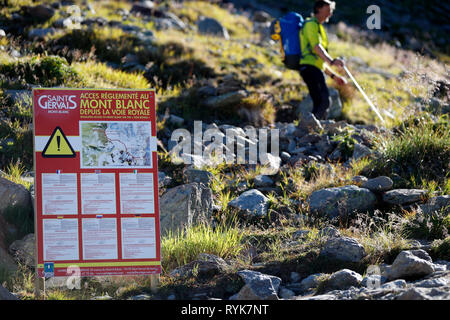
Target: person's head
(323,10)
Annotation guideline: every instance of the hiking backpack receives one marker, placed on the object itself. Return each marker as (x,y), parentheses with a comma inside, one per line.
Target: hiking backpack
(286,30)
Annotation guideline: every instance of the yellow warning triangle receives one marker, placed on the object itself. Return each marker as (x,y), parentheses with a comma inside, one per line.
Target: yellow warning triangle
(58,146)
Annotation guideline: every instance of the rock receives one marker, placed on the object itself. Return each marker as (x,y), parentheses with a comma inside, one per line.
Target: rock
(295,276)
(163,179)
(309,123)
(414,294)
(403,196)
(329,232)
(379,184)
(140,297)
(6,295)
(310,282)
(373,281)
(40,33)
(206,266)
(344,279)
(263,181)
(334,202)
(439,203)
(24,250)
(361,151)
(258,286)
(200,176)
(12,194)
(176,120)
(224,100)
(432,283)
(40,12)
(343,248)
(410,263)
(210,26)
(397,284)
(145,8)
(2,33)
(359,180)
(319,297)
(285,156)
(300,234)
(270,164)
(261,16)
(252,202)
(286,293)
(184,206)
(334,111)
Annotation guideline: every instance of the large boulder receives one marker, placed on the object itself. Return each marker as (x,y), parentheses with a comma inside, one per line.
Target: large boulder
(251,202)
(403,196)
(343,248)
(344,279)
(23,250)
(6,295)
(184,206)
(410,264)
(341,201)
(12,194)
(258,286)
(439,203)
(210,26)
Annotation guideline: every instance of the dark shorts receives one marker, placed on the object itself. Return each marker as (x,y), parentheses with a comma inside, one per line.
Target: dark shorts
(315,81)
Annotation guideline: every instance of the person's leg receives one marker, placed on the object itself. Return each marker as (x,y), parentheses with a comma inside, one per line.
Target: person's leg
(318,90)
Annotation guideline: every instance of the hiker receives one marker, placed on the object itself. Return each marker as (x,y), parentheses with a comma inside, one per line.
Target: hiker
(314,43)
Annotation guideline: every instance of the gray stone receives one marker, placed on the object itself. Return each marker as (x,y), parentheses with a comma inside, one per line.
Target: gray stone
(200,176)
(24,250)
(359,180)
(2,33)
(329,232)
(300,234)
(397,284)
(225,100)
(295,276)
(310,282)
(263,181)
(344,248)
(373,281)
(40,33)
(270,164)
(258,286)
(285,156)
(333,202)
(40,12)
(251,201)
(184,206)
(379,184)
(410,263)
(414,294)
(309,123)
(163,179)
(319,297)
(12,194)
(6,295)
(206,265)
(145,8)
(210,26)
(432,283)
(344,279)
(176,120)
(286,293)
(403,196)
(439,203)
(361,151)
(139,297)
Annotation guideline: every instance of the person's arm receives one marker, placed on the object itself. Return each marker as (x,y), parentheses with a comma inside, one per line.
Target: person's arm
(323,54)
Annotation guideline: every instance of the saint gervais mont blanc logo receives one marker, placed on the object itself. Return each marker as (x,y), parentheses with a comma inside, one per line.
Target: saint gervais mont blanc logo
(57,102)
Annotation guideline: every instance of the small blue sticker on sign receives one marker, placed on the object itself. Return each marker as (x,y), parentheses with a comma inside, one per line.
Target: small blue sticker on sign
(49,269)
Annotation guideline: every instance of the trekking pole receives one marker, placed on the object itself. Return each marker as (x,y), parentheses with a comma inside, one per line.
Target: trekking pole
(372,106)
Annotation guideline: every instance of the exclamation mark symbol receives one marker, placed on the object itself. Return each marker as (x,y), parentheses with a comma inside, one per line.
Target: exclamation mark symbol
(58,142)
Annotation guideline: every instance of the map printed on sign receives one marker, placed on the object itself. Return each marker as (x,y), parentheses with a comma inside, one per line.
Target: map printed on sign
(96,182)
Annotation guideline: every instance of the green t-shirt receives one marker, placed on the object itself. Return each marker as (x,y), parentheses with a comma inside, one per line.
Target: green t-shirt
(312,34)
